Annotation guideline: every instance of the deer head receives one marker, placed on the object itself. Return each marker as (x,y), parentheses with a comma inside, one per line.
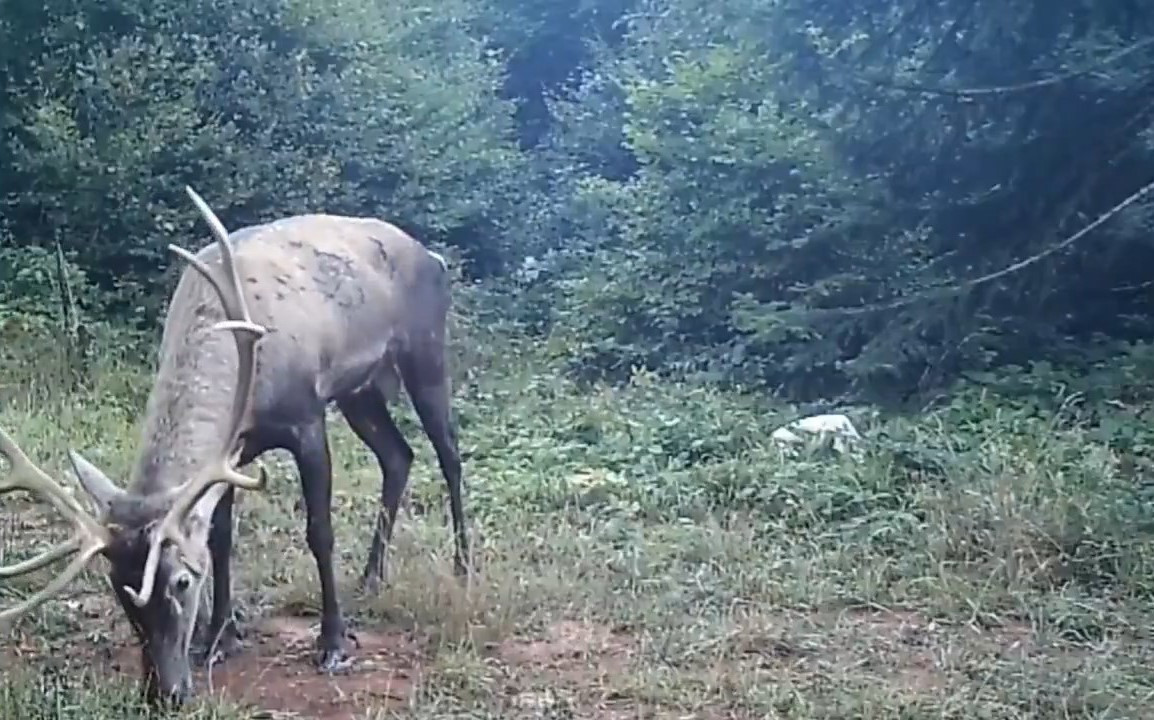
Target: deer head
(155,541)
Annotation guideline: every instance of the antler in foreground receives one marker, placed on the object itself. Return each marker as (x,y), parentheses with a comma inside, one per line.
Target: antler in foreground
(89,536)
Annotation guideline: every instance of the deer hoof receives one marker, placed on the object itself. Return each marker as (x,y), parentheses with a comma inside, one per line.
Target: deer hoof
(371,585)
(228,646)
(333,661)
(374,577)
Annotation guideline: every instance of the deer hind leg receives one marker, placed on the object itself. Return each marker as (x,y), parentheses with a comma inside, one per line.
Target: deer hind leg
(310,451)
(428,386)
(368,415)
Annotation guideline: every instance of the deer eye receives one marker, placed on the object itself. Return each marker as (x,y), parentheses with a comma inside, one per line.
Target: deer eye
(182,581)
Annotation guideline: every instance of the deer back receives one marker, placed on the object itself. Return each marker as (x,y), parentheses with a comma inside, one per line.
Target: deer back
(339,296)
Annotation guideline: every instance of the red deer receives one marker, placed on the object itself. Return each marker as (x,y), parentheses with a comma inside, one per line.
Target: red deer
(320,309)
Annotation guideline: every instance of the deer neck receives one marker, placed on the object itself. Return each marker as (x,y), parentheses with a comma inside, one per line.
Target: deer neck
(188,409)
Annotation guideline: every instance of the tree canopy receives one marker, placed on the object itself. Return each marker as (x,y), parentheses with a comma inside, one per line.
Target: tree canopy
(822,198)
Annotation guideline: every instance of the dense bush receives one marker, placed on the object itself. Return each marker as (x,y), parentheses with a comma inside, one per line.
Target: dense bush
(740,204)
(734,189)
(266,108)
(749,181)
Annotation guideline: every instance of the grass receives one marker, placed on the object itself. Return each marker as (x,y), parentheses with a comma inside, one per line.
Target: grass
(646,552)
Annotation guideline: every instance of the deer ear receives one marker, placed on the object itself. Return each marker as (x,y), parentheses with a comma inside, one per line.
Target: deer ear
(99,487)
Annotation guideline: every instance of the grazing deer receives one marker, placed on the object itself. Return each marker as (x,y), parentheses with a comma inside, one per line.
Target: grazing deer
(342,309)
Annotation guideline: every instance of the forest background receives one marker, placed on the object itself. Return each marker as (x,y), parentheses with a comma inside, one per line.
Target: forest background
(790,196)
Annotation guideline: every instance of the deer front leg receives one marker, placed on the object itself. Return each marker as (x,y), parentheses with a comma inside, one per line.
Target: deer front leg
(315,466)
(221,640)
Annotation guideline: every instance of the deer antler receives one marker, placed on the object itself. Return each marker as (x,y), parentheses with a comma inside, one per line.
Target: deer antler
(89,538)
(223,469)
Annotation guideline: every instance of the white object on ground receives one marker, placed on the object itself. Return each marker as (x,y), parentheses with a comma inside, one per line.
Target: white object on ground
(820,428)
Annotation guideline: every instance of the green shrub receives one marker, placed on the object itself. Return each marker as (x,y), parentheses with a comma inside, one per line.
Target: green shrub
(267,109)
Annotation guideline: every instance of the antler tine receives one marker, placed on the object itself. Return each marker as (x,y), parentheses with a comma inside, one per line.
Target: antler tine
(247,334)
(44,559)
(26,475)
(88,539)
(57,584)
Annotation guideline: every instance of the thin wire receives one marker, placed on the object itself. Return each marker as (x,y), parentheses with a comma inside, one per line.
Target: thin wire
(944,292)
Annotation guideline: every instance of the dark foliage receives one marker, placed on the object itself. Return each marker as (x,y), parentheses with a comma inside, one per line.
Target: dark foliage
(802,195)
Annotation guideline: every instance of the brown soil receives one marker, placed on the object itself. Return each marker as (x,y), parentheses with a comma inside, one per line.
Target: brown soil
(570,650)
(275,673)
(573,663)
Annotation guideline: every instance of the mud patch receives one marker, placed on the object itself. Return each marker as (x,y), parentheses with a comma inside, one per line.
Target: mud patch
(911,653)
(274,673)
(568,669)
(570,650)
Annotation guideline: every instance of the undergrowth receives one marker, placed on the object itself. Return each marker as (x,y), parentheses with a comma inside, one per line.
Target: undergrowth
(645,550)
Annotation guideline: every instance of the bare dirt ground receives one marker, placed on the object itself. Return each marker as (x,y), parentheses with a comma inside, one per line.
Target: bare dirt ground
(274,674)
(580,664)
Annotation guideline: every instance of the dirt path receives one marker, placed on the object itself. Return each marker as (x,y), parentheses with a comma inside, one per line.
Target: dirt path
(586,670)
(274,673)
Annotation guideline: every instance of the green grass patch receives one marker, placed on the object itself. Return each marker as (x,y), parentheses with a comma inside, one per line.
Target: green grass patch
(646,551)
